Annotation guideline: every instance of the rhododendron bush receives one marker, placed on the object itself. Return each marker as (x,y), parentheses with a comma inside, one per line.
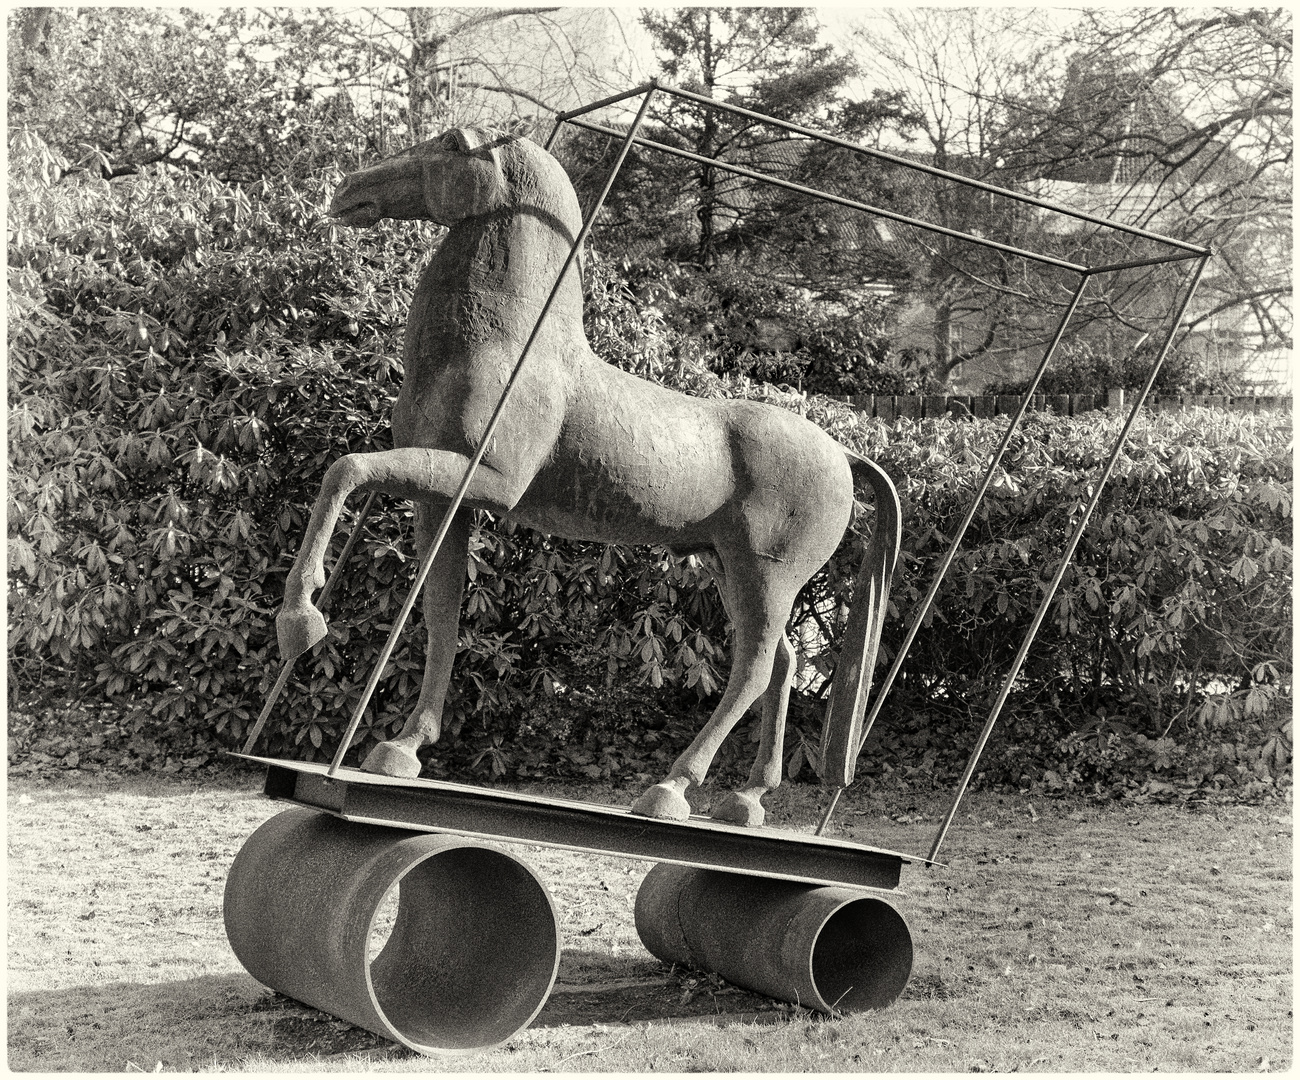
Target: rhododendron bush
(186,358)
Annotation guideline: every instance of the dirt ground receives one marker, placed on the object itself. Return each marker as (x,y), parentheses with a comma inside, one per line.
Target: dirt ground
(1061,936)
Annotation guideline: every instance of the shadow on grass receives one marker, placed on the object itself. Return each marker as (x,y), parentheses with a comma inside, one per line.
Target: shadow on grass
(201,1023)
(218,1021)
(596,988)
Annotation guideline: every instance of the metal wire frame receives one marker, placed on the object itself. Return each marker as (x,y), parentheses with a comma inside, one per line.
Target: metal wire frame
(955,543)
(1192,250)
(1049,594)
(1184,251)
(852,204)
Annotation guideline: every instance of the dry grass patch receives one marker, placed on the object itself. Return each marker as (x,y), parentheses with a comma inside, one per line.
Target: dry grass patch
(1062,937)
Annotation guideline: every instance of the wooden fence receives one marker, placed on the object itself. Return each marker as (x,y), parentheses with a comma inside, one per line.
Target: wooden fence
(915,406)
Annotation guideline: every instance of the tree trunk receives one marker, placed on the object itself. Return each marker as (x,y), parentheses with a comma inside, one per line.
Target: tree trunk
(943,362)
(425,110)
(708,177)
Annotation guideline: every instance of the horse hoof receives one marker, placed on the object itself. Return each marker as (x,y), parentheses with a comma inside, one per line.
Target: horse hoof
(389,759)
(663,801)
(298,631)
(739,807)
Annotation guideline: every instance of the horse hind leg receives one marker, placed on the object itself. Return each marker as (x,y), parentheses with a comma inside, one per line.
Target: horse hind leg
(759,627)
(743,806)
(443,590)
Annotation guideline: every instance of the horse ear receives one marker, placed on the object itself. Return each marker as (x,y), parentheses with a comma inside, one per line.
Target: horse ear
(467,139)
(475,191)
(477,141)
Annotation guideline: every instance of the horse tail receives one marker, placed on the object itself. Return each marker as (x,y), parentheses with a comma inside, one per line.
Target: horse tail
(851,683)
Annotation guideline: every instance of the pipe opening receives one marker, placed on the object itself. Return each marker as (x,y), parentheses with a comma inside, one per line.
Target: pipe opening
(862,956)
(824,947)
(381,925)
(471,954)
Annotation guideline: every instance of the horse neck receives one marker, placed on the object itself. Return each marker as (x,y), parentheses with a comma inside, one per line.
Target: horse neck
(511,254)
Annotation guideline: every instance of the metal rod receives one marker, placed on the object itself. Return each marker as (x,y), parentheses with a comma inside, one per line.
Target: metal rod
(485,441)
(342,560)
(852,204)
(953,546)
(287,667)
(830,809)
(951,554)
(613,99)
(1133,230)
(550,139)
(1109,267)
(1041,614)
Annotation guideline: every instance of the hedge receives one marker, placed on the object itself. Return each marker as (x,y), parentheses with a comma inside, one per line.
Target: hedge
(186,358)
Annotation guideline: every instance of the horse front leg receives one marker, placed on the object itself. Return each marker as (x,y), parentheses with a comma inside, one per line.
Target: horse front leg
(409,473)
(443,590)
(743,806)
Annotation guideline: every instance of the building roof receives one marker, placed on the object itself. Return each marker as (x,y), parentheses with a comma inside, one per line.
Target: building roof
(1117,127)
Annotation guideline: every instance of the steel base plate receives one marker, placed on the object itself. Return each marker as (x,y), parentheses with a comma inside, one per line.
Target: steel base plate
(437,806)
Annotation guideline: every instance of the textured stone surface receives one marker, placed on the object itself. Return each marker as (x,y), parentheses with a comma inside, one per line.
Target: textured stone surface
(582,450)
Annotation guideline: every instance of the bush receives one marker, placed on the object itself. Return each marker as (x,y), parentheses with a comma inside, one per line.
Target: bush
(177,384)
(186,358)
(1165,656)
(769,331)
(1084,368)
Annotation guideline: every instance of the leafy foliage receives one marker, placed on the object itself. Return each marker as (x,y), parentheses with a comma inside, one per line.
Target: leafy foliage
(227,92)
(1165,653)
(1083,368)
(765,330)
(187,357)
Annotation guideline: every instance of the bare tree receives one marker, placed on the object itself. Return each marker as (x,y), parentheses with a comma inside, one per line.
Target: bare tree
(1196,127)
(244,92)
(959,69)
(431,67)
(1174,120)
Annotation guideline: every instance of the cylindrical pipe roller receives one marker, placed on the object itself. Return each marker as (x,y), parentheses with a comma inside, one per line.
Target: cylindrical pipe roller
(828,948)
(472,954)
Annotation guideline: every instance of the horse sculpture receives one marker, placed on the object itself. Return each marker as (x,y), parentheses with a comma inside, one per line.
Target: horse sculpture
(586,451)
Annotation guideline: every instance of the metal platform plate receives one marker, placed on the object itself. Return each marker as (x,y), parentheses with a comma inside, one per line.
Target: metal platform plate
(437,806)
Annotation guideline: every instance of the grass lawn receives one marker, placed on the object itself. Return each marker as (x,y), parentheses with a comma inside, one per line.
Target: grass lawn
(1063,936)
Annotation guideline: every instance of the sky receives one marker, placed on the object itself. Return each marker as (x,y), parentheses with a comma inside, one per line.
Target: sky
(840,24)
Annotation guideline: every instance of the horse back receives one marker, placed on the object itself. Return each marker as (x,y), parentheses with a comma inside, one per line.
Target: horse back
(638,463)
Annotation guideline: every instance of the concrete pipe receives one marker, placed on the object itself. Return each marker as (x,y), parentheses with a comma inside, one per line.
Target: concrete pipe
(473,951)
(828,948)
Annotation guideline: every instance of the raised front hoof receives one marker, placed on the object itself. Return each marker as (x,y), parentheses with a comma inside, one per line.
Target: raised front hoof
(739,808)
(298,631)
(389,759)
(663,801)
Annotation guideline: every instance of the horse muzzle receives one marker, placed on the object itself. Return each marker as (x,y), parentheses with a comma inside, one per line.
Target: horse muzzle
(361,215)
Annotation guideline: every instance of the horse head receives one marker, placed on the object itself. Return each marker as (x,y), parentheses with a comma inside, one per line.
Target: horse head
(463,173)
